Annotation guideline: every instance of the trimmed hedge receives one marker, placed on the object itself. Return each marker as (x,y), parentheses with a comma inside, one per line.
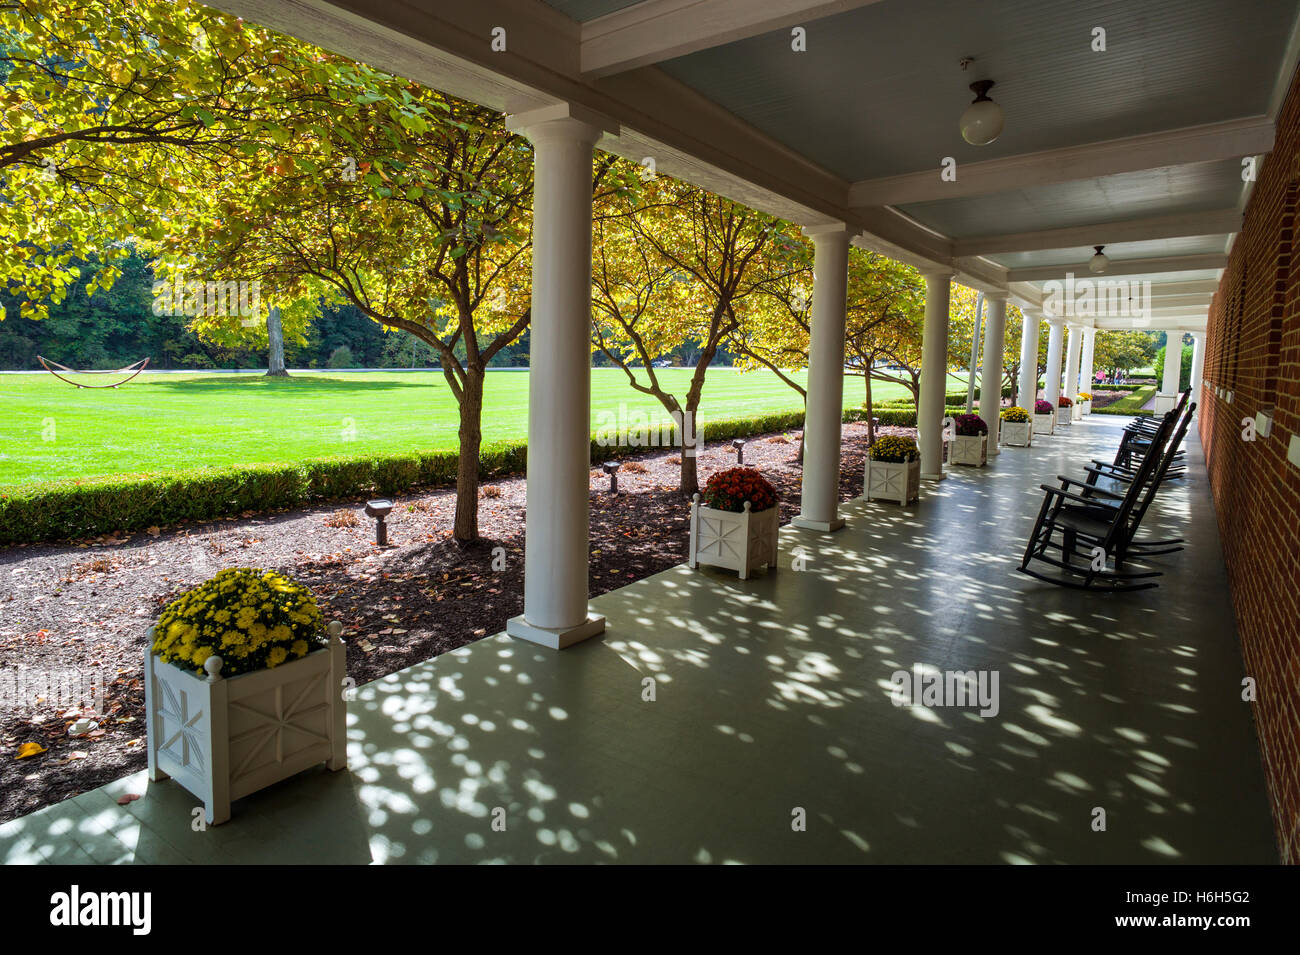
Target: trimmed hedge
(904,417)
(124,502)
(90,507)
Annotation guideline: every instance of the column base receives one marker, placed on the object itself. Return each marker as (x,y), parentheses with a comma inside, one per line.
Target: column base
(808,524)
(521,629)
(934,477)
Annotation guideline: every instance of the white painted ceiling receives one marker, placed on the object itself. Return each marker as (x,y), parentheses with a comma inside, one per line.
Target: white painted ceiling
(1168,190)
(1118,251)
(879,90)
(584,10)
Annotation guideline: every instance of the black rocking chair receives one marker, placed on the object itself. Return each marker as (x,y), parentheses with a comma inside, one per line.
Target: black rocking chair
(1082,514)
(1136,441)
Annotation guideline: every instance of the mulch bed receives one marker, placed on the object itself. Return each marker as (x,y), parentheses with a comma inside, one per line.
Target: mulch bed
(84,607)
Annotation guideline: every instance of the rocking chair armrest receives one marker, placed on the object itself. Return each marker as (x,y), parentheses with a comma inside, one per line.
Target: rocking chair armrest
(1110,464)
(1062,492)
(1091,487)
(1113,473)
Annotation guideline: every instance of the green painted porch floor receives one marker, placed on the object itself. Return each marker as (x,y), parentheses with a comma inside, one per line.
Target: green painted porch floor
(773,695)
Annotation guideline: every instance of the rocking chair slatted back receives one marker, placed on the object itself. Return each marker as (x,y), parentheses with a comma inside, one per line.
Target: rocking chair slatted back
(1166,459)
(1128,514)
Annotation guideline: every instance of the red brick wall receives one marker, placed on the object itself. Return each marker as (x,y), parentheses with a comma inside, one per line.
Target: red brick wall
(1253,348)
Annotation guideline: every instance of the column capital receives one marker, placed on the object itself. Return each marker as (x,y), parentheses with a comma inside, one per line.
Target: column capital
(831,230)
(938,273)
(997,296)
(561,121)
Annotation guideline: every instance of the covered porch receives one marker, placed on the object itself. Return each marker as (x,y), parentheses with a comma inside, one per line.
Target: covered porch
(774,695)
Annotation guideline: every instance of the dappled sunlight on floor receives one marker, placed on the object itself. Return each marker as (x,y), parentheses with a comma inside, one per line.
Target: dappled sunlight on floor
(713,710)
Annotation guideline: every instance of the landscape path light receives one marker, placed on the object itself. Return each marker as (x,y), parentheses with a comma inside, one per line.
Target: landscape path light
(611,468)
(379,510)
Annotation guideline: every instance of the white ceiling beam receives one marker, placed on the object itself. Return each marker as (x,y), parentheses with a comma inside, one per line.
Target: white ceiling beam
(1202,287)
(1153,266)
(1162,309)
(1217,222)
(1193,144)
(1176,301)
(1150,324)
(901,238)
(656,30)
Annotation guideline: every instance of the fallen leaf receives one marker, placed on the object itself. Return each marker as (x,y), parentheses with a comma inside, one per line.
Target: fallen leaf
(125,798)
(29,749)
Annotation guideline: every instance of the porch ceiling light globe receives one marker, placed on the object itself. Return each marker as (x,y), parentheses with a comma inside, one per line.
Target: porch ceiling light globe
(1098,263)
(983,120)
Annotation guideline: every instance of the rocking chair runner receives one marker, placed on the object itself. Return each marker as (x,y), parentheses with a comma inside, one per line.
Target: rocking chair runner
(130,371)
(1096,518)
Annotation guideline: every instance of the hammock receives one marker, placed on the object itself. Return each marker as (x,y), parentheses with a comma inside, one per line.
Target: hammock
(130,371)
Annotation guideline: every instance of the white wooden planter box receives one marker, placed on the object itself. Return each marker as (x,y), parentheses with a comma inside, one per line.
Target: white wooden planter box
(971,450)
(890,481)
(1043,423)
(1063,416)
(741,541)
(1085,408)
(225,738)
(1076,410)
(1018,434)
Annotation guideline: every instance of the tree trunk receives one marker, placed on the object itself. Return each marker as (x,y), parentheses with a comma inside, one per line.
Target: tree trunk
(871,428)
(471,437)
(275,333)
(690,442)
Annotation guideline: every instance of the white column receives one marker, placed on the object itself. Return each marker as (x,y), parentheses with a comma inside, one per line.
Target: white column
(1173,361)
(1072,353)
(1085,367)
(934,374)
(1198,364)
(1028,390)
(995,343)
(819,504)
(559,381)
(1052,383)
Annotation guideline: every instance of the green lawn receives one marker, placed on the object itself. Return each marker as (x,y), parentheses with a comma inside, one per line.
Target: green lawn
(163,421)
